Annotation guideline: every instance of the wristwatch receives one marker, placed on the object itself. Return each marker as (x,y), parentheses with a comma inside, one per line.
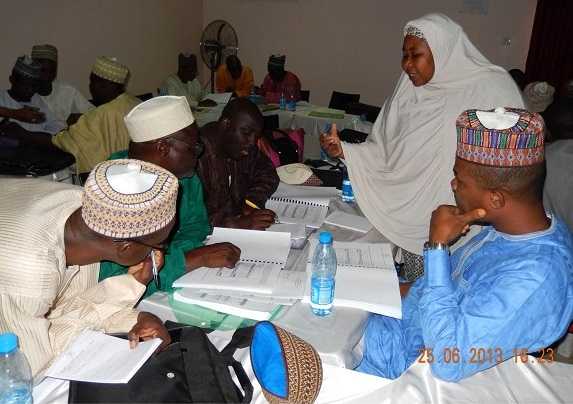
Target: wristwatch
(430,245)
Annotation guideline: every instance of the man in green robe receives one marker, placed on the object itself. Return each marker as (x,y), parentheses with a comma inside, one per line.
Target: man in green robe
(163,132)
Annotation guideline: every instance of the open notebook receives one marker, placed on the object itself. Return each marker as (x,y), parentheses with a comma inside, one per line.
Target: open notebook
(301,204)
(365,278)
(263,256)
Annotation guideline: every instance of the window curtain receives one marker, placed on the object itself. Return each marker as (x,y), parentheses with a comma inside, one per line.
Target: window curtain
(550,56)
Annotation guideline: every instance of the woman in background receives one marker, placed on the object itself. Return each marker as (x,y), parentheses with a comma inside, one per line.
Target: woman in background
(403,170)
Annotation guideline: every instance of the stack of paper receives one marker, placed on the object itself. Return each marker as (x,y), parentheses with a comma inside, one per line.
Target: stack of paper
(365,278)
(99,358)
(301,204)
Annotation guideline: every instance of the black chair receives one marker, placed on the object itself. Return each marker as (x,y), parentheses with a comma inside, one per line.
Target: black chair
(305,95)
(341,100)
(270,122)
(352,136)
(358,108)
(145,97)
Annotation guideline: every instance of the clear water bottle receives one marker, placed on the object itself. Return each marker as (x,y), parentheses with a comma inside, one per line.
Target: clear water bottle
(15,373)
(282,102)
(323,273)
(347,193)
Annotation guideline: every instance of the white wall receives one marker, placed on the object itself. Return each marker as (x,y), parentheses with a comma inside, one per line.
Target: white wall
(146,35)
(355,45)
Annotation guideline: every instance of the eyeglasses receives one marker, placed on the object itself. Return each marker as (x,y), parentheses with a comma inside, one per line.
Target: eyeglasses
(199,146)
(158,247)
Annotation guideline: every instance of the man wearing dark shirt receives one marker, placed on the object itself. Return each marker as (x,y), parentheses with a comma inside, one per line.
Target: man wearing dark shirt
(233,170)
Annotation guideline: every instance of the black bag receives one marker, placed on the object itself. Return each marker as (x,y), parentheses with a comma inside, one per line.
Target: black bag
(190,370)
(33,161)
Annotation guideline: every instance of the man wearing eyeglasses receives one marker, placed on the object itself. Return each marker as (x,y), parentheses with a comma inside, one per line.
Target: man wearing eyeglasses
(53,237)
(163,132)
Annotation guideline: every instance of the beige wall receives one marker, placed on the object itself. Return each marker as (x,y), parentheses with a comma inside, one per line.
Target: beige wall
(146,35)
(355,45)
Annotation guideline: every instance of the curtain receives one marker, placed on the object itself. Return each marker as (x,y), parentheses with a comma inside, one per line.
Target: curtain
(550,56)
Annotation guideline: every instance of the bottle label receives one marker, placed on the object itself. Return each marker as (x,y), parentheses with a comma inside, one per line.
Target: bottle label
(347,193)
(322,291)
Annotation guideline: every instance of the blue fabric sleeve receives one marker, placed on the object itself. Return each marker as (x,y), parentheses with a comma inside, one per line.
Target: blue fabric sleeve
(501,314)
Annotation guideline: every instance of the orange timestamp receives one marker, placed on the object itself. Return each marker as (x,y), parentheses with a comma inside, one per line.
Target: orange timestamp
(480,356)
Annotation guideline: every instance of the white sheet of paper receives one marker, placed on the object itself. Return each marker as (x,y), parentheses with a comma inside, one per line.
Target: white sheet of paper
(289,212)
(255,245)
(219,98)
(349,221)
(99,358)
(354,254)
(305,193)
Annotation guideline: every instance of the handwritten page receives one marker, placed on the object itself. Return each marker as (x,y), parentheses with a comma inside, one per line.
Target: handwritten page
(99,358)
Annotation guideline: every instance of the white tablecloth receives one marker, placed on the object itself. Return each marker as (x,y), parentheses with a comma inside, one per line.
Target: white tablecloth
(509,382)
(312,126)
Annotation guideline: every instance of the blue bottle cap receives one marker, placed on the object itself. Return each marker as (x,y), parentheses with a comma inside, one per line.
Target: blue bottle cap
(8,342)
(325,237)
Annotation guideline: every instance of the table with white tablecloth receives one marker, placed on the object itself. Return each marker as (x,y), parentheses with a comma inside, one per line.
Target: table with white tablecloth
(300,118)
(335,338)
(509,382)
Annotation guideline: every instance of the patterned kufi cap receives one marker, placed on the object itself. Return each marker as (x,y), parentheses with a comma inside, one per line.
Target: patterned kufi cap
(127,198)
(158,117)
(413,31)
(110,69)
(277,60)
(504,137)
(27,67)
(288,369)
(46,51)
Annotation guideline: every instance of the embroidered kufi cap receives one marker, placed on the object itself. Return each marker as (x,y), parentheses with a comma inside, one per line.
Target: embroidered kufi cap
(294,174)
(414,31)
(27,67)
(504,137)
(288,369)
(158,117)
(277,60)
(110,69)
(45,51)
(129,198)
(538,95)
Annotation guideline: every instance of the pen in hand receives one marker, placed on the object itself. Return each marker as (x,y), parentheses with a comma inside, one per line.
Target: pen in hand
(252,205)
(154,268)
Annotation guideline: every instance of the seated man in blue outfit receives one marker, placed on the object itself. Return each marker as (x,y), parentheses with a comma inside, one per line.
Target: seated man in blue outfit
(508,290)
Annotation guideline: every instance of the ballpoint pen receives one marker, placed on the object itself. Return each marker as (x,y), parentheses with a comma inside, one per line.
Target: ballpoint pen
(154,267)
(254,206)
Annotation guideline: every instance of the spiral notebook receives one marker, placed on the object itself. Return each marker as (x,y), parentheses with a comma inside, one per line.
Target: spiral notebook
(366,278)
(300,208)
(263,256)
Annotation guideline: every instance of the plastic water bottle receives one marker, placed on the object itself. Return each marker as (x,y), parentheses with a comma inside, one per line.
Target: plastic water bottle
(282,102)
(323,273)
(347,193)
(15,373)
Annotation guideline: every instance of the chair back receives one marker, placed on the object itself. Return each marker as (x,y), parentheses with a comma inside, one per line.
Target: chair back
(370,111)
(340,100)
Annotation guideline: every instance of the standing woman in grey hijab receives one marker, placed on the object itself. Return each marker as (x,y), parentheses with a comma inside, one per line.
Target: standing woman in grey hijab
(403,170)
